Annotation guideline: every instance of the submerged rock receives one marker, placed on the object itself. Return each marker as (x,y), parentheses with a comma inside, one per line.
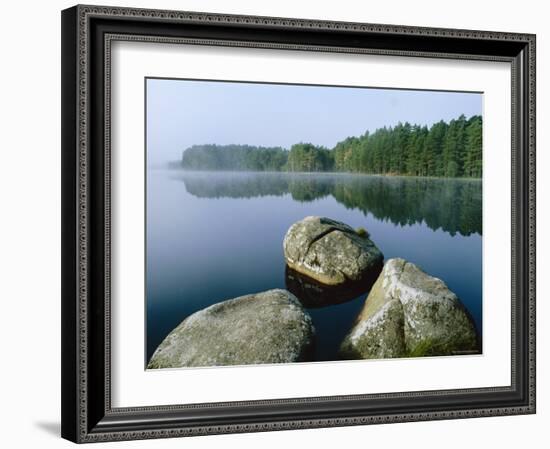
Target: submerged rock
(331,252)
(267,327)
(409,313)
(313,294)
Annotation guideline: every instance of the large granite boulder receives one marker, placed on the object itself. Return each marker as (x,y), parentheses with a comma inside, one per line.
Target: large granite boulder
(267,327)
(331,252)
(409,313)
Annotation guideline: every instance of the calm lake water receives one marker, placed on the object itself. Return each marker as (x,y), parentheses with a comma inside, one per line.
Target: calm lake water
(213,236)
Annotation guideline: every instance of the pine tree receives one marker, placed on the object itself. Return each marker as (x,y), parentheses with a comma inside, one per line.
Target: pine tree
(473,155)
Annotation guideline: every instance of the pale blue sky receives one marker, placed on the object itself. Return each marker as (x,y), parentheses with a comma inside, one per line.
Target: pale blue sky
(182,113)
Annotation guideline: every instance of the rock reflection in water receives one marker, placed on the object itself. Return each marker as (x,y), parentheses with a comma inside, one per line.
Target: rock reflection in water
(313,294)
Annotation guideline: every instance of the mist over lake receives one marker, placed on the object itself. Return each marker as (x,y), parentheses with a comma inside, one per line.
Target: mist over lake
(213,236)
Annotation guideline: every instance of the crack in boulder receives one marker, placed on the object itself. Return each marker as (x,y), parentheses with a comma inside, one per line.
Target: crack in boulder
(318,237)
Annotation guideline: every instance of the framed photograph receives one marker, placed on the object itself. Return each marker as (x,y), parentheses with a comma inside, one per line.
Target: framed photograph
(274,223)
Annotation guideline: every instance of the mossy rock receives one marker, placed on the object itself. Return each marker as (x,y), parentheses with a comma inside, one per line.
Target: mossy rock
(409,313)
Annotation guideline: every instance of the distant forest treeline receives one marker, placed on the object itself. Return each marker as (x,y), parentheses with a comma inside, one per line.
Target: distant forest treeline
(451,149)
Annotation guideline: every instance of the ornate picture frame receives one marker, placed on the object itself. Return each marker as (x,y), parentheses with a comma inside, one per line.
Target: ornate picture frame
(87,411)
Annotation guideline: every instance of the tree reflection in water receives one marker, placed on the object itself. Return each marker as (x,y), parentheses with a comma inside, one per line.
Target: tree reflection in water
(453,205)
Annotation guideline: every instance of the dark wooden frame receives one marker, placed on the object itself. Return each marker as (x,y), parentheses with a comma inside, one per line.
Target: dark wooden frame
(87,32)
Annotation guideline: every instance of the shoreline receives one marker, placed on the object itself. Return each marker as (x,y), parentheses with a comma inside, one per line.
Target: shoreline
(169,166)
